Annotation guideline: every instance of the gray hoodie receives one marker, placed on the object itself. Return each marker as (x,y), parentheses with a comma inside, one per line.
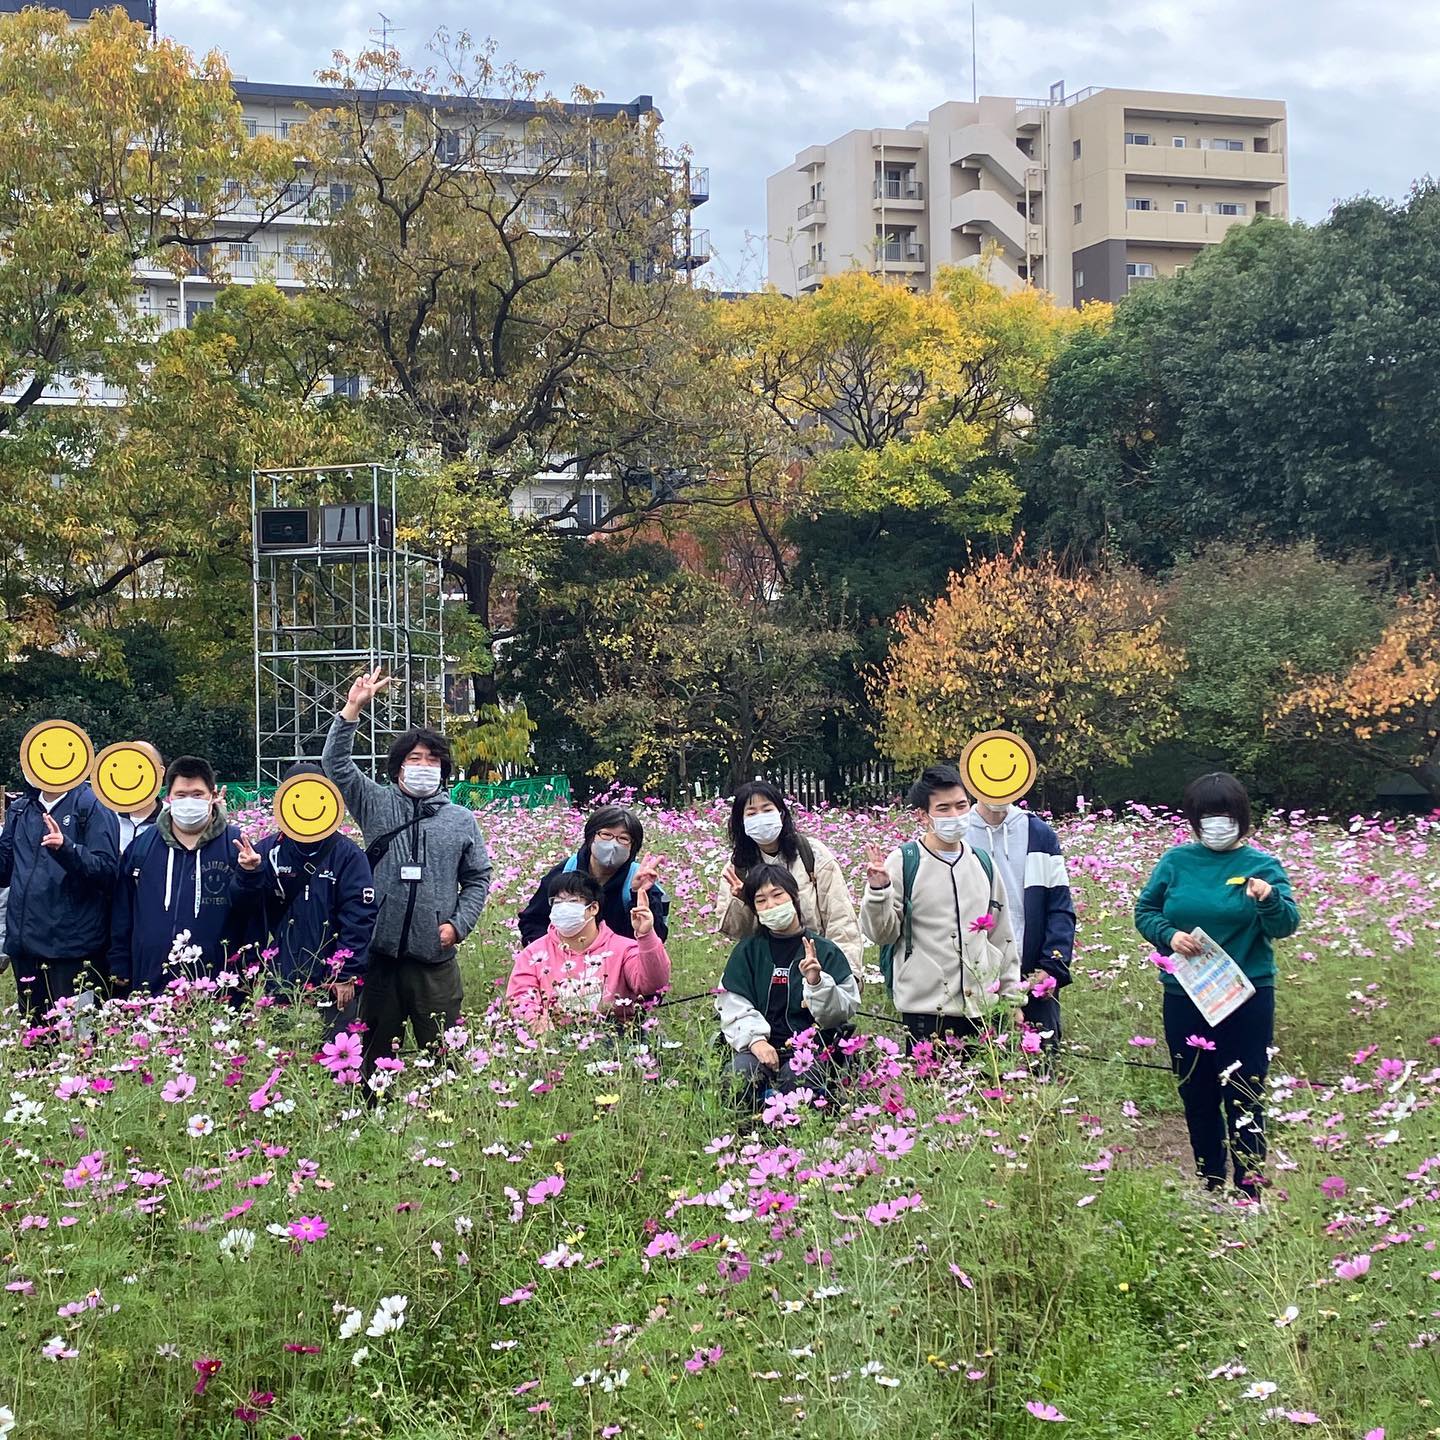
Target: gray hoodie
(443,839)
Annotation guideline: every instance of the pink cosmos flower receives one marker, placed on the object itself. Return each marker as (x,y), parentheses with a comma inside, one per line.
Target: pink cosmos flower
(703,1359)
(961,1276)
(981,925)
(546,1189)
(182,1087)
(1352,1269)
(1199,1042)
(1142,1042)
(307,1229)
(891,1141)
(1030,1042)
(341,1053)
(1163,963)
(1043,984)
(1389,1070)
(1041,1411)
(666,1243)
(206,1369)
(1333,1187)
(733,1269)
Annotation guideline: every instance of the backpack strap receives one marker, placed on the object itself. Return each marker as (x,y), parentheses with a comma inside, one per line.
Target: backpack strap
(909,869)
(807,856)
(630,875)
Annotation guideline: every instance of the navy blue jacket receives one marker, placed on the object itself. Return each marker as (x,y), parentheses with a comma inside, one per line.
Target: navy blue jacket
(156,899)
(59,907)
(312,900)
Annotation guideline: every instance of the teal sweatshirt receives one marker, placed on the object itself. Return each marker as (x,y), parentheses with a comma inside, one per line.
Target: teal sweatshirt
(1190,888)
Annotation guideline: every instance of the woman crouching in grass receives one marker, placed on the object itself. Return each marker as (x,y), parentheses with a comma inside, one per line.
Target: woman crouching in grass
(781,982)
(580,969)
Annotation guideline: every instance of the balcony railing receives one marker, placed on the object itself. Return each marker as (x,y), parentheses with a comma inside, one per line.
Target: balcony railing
(899,190)
(901,251)
(699,184)
(810,269)
(810,207)
(695,253)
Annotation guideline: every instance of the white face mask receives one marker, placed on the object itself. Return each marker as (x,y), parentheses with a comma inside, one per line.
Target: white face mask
(191,812)
(421,781)
(778,918)
(568,916)
(1218,832)
(610,852)
(764,826)
(948,829)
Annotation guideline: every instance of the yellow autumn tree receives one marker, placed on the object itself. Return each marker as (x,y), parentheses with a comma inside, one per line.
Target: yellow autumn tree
(1074,662)
(1386,708)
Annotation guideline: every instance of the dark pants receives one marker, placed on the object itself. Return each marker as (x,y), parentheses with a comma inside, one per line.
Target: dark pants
(40,983)
(753,1079)
(1043,1013)
(428,996)
(1231,1109)
(939,1027)
(333,1017)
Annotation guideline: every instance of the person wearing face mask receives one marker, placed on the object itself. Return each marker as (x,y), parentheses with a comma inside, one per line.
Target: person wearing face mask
(432,877)
(762,831)
(610,853)
(580,969)
(1026,852)
(941,917)
(1241,898)
(782,981)
(175,878)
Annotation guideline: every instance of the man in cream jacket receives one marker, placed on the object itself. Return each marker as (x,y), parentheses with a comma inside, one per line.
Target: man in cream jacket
(954,960)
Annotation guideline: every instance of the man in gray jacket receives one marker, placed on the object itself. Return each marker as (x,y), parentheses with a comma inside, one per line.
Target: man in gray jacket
(432,876)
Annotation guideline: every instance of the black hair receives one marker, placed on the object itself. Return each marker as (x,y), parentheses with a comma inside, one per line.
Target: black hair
(1216,794)
(432,740)
(745,854)
(303,767)
(609,816)
(937,777)
(190,767)
(759,876)
(578,884)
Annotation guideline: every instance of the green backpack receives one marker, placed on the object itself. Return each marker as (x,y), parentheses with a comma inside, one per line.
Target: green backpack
(909,868)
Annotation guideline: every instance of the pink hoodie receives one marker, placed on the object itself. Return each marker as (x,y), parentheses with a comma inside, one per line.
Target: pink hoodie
(631,970)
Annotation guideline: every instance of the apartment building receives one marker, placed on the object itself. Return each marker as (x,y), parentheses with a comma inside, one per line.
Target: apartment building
(1085,195)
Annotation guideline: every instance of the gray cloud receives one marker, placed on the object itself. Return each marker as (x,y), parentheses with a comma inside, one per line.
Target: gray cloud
(748,83)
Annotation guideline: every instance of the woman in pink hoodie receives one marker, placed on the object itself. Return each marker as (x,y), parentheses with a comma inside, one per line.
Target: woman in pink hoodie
(580,968)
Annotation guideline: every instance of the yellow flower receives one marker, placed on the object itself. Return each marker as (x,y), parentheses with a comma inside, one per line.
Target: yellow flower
(606,1100)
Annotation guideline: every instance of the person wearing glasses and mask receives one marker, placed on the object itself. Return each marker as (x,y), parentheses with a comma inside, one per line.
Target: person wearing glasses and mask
(432,877)
(610,854)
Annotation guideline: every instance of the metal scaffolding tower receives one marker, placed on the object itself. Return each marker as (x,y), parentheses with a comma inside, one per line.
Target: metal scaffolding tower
(334,593)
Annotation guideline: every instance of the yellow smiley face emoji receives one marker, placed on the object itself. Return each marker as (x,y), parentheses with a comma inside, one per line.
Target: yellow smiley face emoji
(56,756)
(998,767)
(127,776)
(308,808)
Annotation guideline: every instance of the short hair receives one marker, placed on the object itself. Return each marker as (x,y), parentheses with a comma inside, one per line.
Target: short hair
(578,884)
(1216,794)
(762,875)
(937,777)
(432,740)
(190,767)
(303,767)
(607,817)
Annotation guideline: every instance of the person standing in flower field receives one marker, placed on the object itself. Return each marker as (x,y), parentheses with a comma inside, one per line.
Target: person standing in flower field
(762,831)
(1241,898)
(939,913)
(316,907)
(1026,853)
(780,982)
(580,968)
(432,877)
(610,852)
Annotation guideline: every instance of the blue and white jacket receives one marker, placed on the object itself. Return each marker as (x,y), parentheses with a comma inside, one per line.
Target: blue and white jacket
(1027,856)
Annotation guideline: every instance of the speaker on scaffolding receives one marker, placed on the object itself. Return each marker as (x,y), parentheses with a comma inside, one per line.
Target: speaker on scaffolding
(353,526)
(285,529)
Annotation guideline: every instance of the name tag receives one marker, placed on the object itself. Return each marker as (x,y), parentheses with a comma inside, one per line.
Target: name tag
(411,872)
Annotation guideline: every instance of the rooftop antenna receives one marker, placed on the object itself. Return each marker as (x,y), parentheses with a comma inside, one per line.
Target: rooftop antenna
(386,25)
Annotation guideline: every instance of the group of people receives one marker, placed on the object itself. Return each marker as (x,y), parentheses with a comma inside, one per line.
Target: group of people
(973,919)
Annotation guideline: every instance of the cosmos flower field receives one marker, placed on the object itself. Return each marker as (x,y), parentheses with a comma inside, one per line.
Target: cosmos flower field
(207,1233)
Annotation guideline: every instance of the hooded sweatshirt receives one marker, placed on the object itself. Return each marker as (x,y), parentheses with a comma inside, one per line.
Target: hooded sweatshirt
(315,903)
(955,966)
(763,978)
(614,972)
(166,889)
(1026,852)
(440,839)
(59,905)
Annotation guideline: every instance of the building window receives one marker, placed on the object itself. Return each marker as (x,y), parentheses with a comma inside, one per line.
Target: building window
(817,190)
(287,126)
(1079,279)
(1178,142)
(243,252)
(252,127)
(341,195)
(1075,150)
(817,250)
(590,508)
(1079,212)
(1230,207)
(1138,137)
(447,147)
(1140,270)
(346,386)
(1132,203)
(1181,206)
(194,307)
(1227,144)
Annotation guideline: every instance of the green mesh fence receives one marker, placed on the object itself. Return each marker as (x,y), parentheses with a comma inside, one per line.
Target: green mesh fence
(528,792)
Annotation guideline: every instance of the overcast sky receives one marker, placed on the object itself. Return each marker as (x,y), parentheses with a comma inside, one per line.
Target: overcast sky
(747,83)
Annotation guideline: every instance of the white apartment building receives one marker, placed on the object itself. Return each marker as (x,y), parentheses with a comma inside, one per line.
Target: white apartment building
(1085,195)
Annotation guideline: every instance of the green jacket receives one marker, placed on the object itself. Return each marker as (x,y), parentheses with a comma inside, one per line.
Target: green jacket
(745,991)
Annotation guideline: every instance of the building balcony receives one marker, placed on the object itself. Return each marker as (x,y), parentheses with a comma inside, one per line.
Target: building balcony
(699,184)
(810,274)
(812,212)
(991,215)
(1162,227)
(901,254)
(900,195)
(988,147)
(1265,169)
(692,254)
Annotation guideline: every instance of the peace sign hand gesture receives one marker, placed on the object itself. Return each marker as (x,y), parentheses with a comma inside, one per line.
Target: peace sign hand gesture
(247,855)
(642,921)
(810,964)
(366,686)
(54,836)
(734,880)
(877,875)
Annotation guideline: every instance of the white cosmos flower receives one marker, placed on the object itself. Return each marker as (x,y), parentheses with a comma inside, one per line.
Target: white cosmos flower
(350,1325)
(389,1316)
(237,1244)
(198,1125)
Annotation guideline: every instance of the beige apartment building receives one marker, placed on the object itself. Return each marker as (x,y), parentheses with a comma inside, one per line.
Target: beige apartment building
(1085,195)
